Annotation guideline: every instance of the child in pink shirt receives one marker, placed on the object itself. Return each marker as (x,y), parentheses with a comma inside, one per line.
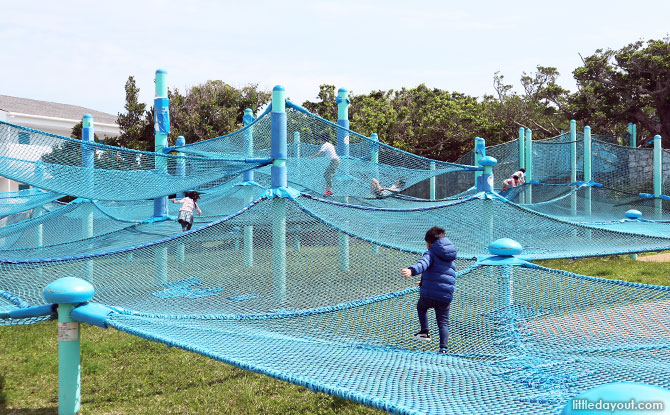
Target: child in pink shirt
(189,203)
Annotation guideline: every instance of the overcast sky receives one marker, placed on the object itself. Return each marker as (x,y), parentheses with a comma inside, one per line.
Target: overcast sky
(82,53)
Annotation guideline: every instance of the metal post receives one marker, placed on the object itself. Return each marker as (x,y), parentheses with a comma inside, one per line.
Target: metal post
(279,180)
(161,131)
(529,164)
(88,163)
(634,136)
(485,182)
(658,176)
(68,293)
(630,134)
(522,159)
(587,176)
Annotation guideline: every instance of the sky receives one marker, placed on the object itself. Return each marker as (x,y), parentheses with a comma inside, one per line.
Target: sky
(82,53)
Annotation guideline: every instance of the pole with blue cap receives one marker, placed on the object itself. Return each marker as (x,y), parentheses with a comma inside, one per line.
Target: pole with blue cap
(161,131)
(68,292)
(343,102)
(485,185)
(480,151)
(181,161)
(522,158)
(278,180)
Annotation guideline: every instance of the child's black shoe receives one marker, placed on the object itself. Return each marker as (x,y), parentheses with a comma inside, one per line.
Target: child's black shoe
(423,335)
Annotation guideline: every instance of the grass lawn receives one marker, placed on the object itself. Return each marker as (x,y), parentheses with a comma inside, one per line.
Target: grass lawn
(122,374)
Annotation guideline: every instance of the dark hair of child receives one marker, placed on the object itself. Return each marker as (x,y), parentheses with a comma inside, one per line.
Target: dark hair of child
(433,234)
(193,195)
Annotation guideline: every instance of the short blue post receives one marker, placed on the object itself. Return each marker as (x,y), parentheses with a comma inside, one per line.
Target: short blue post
(161,131)
(529,164)
(181,162)
(630,134)
(343,102)
(278,180)
(480,151)
(68,292)
(248,118)
(634,136)
(88,163)
(573,164)
(658,176)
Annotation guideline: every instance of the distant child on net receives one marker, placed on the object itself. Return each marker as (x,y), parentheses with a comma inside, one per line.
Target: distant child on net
(189,203)
(438,276)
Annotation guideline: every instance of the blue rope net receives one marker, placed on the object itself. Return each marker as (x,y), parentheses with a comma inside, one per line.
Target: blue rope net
(325,297)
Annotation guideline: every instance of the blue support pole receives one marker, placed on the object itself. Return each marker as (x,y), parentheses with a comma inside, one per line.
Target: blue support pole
(529,164)
(634,136)
(522,158)
(279,179)
(343,102)
(630,134)
(161,131)
(181,172)
(88,163)
(587,176)
(248,176)
(247,119)
(181,163)
(658,176)
(486,180)
(68,293)
(573,164)
(374,159)
(480,151)
(433,182)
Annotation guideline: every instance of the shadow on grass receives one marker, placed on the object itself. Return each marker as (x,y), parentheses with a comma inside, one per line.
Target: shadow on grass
(8,411)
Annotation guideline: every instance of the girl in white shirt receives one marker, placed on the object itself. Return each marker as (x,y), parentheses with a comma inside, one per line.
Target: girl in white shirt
(328,150)
(189,203)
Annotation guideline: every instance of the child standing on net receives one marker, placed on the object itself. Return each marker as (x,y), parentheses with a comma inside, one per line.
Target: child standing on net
(438,276)
(189,203)
(328,149)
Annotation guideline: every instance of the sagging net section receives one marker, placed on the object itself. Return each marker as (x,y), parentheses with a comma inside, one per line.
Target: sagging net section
(20,201)
(473,223)
(56,163)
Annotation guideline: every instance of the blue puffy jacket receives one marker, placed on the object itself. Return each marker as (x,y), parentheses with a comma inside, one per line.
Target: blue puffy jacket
(438,270)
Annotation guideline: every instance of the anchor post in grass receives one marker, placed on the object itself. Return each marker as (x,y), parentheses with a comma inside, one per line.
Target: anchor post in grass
(68,292)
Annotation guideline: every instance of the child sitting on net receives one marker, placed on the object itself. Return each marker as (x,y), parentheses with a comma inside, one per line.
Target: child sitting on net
(189,203)
(381,192)
(510,183)
(438,277)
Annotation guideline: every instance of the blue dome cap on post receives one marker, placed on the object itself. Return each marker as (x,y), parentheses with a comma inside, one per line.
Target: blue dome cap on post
(488,161)
(68,290)
(505,247)
(633,214)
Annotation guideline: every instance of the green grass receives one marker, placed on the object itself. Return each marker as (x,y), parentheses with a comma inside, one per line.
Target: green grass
(123,374)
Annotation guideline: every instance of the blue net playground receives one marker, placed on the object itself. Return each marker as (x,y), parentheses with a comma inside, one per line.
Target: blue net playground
(316,280)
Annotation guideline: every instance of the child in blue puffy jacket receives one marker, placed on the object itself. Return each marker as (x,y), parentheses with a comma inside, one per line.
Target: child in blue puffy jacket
(438,276)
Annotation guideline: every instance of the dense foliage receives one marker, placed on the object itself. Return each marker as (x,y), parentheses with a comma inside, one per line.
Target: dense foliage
(615,87)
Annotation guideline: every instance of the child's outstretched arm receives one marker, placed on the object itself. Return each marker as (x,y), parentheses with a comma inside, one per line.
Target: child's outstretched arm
(198,209)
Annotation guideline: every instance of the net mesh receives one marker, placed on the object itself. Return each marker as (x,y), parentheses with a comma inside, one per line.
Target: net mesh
(316,281)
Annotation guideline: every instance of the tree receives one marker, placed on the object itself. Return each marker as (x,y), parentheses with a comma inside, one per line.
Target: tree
(627,85)
(212,109)
(136,124)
